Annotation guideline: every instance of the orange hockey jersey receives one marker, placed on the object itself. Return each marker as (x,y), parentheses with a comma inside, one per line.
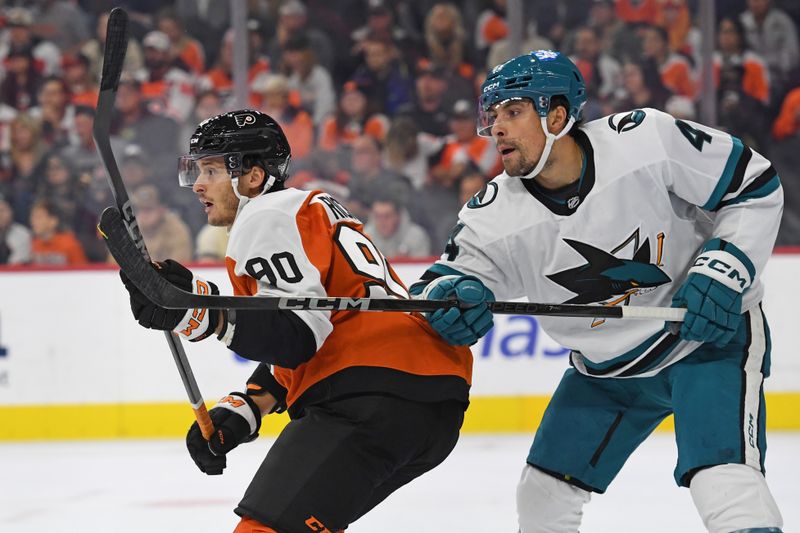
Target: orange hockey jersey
(301,243)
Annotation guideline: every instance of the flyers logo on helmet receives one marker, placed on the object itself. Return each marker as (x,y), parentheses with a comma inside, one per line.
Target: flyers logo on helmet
(243,119)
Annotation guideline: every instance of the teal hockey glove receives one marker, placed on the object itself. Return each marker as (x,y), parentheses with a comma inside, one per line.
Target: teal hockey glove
(458,326)
(712,296)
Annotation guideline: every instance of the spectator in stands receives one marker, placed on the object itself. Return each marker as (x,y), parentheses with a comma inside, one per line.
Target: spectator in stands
(292,21)
(15,239)
(446,46)
(22,79)
(616,39)
(167,89)
(82,85)
(93,50)
(785,156)
(208,104)
(220,78)
(788,122)
(674,17)
(742,83)
(370,179)
(211,244)
(166,235)
(56,113)
(134,123)
(602,73)
(408,151)
(208,22)
(642,87)
(186,51)
(63,23)
(81,151)
(46,55)
(637,11)
(53,243)
(772,35)
(491,25)
(675,70)
(464,147)
(439,204)
(297,125)
(310,79)
(500,51)
(26,163)
(351,120)
(381,27)
(383,77)
(63,187)
(390,228)
(430,107)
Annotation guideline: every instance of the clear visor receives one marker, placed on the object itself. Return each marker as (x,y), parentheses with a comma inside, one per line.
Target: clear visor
(504,111)
(193,168)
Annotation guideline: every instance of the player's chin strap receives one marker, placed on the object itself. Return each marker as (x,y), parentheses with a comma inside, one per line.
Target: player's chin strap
(244,199)
(548,145)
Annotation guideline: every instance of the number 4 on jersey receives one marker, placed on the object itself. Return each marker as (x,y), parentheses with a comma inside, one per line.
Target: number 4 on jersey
(695,136)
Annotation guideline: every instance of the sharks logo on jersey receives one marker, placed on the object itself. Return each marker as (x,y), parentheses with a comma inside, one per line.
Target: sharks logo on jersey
(627,122)
(483,197)
(605,278)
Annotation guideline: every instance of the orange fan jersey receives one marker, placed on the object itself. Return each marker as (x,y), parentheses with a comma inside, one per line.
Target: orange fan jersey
(300,243)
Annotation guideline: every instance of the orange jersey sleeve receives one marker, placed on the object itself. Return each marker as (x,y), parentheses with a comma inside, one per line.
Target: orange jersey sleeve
(787,123)
(299,243)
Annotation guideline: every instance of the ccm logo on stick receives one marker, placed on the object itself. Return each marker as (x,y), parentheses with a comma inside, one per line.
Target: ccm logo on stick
(325,303)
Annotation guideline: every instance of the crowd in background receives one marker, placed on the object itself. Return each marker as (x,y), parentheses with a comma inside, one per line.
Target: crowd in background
(377,99)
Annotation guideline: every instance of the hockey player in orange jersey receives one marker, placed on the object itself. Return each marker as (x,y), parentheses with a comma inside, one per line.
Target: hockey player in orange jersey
(376,399)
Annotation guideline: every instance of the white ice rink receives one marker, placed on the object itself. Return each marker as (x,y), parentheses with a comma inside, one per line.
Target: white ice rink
(153,487)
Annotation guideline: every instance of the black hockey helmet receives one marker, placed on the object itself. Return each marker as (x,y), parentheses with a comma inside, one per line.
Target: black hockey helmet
(244,138)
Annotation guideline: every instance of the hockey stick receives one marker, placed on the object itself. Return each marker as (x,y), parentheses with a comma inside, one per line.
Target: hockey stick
(167,295)
(113,58)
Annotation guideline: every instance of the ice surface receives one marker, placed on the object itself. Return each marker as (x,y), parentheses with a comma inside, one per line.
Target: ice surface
(136,486)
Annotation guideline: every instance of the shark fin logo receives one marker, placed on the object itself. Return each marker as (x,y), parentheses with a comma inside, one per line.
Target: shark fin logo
(244,119)
(627,122)
(605,277)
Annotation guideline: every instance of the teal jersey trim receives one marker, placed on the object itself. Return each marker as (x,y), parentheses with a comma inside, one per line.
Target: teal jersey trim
(767,189)
(727,175)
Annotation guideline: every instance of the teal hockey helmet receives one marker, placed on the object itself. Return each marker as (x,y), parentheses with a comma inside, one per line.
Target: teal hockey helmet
(538,76)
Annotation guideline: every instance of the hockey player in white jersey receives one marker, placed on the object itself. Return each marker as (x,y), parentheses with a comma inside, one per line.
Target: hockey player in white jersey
(638,208)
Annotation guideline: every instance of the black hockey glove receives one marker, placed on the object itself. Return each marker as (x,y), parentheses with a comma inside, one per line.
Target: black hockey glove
(236,419)
(190,324)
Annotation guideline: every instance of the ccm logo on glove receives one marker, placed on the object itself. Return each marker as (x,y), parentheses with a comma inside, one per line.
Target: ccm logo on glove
(723,267)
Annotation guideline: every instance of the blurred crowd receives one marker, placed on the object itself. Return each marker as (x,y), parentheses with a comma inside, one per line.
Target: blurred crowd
(377,98)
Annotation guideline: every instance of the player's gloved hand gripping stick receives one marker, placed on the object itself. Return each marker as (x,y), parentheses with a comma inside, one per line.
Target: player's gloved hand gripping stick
(712,293)
(113,59)
(237,420)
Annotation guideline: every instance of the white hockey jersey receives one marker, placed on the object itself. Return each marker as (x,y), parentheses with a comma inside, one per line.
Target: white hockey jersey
(654,190)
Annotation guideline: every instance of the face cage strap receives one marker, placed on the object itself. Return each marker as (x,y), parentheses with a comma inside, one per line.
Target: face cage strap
(548,145)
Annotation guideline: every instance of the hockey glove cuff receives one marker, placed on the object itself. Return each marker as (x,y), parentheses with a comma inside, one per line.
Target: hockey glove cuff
(463,325)
(236,420)
(712,295)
